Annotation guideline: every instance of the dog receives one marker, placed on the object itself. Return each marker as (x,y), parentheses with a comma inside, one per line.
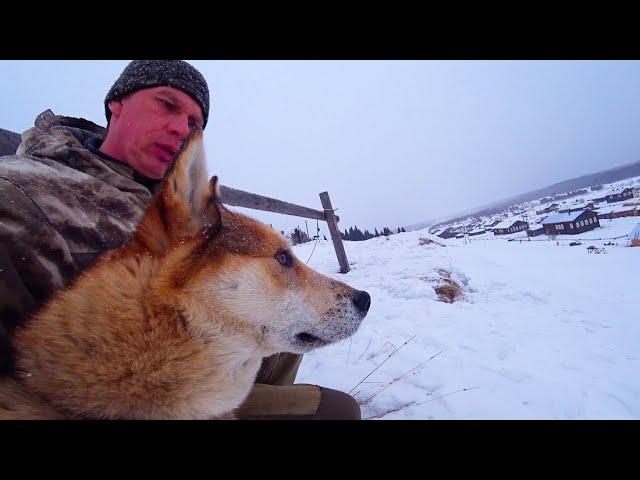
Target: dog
(174,324)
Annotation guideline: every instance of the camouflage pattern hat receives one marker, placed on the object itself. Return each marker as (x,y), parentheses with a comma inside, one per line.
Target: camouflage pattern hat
(140,74)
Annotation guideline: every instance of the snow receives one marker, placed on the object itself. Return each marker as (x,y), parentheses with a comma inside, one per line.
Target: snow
(543,330)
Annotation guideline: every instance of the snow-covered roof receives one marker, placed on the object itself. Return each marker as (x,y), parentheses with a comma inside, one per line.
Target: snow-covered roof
(563,217)
(507,223)
(615,208)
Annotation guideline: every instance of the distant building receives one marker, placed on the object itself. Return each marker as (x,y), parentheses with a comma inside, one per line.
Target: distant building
(535,231)
(636,192)
(619,211)
(490,225)
(549,209)
(632,211)
(510,225)
(473,233)
(571,223)
(588,206)
(626,194)
(448,233)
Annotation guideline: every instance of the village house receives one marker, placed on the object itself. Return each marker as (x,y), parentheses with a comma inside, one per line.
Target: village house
(490,225)
(619,211)
(626,194)
(588,206)
(448,233)
(535,231)
(510,225)
(480,231)
(571,223)
(631,211)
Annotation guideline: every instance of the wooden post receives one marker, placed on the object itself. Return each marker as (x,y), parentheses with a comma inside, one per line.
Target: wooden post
(332,223)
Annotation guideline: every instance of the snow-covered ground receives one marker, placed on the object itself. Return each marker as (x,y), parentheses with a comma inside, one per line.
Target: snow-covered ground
(543,331)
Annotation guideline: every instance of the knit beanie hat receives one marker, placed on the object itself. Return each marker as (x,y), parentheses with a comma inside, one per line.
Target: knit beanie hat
(140,74)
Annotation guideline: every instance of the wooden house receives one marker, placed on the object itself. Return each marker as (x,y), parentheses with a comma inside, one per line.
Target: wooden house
(448,233)
(535,231)
(626,194)
(571,223)
(510,225)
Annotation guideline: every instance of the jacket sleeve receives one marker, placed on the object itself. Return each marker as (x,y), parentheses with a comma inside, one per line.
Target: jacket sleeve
(16,303)
(34,260)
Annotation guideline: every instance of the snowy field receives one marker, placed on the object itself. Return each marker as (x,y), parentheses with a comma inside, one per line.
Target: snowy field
(543,331)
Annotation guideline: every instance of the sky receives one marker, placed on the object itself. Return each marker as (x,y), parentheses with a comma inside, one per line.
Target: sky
(393,142)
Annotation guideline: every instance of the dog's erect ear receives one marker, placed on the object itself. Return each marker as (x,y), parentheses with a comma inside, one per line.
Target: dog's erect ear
(186,203)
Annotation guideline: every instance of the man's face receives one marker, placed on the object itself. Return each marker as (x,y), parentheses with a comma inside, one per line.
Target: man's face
(149,126)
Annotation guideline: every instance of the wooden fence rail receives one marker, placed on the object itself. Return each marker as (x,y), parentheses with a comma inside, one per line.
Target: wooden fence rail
(9,142)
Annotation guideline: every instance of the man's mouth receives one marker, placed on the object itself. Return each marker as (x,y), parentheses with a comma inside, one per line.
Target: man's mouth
(166,152)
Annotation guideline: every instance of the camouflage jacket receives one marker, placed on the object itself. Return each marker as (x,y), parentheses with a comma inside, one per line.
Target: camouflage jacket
(62,204)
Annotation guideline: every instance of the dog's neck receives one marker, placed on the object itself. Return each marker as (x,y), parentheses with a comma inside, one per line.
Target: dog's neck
(132,359)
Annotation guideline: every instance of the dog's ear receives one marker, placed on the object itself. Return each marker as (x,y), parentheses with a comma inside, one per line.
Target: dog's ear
(186,203)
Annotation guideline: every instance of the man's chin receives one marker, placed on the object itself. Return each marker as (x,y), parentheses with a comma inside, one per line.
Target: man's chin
(154,168)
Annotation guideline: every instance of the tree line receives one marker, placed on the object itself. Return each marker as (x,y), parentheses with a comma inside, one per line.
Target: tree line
(354,234)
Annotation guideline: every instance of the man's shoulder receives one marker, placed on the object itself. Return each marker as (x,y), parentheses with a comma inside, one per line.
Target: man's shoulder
(30,167)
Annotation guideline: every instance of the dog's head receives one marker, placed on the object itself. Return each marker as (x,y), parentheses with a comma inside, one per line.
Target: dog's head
(230,273)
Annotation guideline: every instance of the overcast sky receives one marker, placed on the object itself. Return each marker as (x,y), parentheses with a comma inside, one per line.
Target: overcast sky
(393,142)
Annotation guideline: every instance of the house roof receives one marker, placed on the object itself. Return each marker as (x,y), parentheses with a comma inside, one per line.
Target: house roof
(615,208)
(507,223)
(563,217)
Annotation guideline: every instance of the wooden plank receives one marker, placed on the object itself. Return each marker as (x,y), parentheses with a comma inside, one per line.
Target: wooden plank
(240,198)
(332,223)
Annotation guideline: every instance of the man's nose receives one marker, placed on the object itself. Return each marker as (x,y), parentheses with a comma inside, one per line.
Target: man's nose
(179,126)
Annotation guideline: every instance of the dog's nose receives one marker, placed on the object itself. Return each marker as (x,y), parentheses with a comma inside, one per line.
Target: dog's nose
(362,300)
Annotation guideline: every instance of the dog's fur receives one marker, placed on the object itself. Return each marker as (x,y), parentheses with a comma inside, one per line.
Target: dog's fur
(175,323)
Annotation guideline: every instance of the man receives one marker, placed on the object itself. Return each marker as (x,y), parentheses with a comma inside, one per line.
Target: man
(74,190)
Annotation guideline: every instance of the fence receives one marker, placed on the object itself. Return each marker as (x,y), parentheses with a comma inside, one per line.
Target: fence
(9,142)
(239,198)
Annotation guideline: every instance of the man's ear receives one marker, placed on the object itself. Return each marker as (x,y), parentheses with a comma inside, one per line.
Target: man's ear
(115,106)
(186,203)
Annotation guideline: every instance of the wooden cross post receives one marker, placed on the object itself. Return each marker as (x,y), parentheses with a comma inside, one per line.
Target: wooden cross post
(332,223)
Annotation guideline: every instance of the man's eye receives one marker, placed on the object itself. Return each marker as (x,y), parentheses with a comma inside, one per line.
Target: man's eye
(167,105)
(284,259)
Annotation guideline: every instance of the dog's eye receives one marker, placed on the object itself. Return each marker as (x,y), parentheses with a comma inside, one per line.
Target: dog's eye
(284,258)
